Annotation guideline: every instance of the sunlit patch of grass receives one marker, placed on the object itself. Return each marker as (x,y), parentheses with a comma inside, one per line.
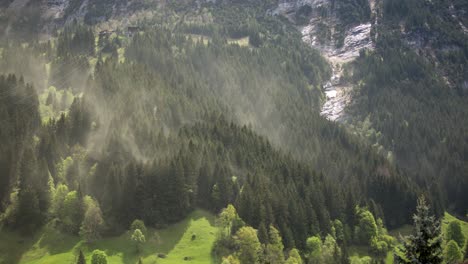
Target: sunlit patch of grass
(449,218)
(50,246)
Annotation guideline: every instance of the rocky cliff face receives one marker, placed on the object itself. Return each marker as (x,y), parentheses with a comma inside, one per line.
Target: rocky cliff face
(320,32)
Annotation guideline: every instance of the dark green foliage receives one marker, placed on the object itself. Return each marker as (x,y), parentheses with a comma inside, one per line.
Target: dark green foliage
(454,232)
(99,11)
(353,11)
(302,16)
(178,124)
(75,40)
(419,117)
(19,165)
(425,246)
(81,258)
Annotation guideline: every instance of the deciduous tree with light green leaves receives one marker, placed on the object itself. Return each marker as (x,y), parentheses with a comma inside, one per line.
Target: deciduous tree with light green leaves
(226,218)
(138,224)
(294,257)
(93,222)
(454,232)
(274,249)
(230,260)
(98,257)
(139,238)
(314,249)
(331,252)
(366,228)
(452,253)
(249,245)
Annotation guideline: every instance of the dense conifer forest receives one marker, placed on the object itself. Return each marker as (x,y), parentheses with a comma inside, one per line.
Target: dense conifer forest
(110,128)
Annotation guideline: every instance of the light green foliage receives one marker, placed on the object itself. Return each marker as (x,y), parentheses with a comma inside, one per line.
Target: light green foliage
(452,253)
(9,216)
(249,245)
(331,252)
(314,249)
(93,221)
(294,257)
(366,228)
(226,218)
(370,232)
(63,167)
(50,246)
(57,208)
(229,223)
(71,214)
(99,257)
(230,260)
(454,232)
(138,224)
(53,102)
(448,218)
(339,231)
(68,208)
(378,246)
(139,238)
(362,260)
(274,249)
(51,187)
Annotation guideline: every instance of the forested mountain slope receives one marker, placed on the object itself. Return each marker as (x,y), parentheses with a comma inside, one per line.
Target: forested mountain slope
(157,108)
(406,90)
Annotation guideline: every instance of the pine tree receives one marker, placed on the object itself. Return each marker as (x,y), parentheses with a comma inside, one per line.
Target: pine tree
(425,246)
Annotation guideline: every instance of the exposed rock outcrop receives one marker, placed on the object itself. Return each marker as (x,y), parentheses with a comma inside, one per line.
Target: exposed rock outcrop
(319,32)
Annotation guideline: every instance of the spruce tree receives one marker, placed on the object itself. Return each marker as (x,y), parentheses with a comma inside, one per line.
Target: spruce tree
(425,245)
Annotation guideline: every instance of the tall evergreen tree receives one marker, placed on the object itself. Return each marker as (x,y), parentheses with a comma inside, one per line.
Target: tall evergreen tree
(425,245)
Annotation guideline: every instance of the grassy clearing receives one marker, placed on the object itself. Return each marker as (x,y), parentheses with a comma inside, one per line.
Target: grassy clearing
(49,246)
(449,218)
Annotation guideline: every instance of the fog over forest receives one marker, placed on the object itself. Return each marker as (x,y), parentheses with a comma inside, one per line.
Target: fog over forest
(246,131)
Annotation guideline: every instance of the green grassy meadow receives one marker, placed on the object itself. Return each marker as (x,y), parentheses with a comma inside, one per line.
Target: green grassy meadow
(48,246)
